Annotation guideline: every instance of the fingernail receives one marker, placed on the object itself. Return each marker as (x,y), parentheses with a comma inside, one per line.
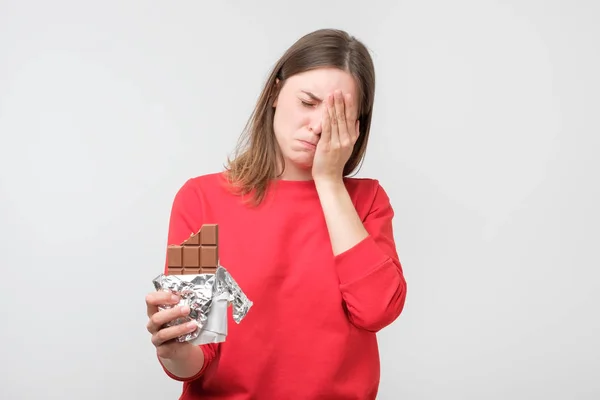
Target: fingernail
(185,310)
(191,325)
(174,299)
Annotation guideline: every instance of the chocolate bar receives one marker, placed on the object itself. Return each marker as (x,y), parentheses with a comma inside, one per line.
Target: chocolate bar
(199,254)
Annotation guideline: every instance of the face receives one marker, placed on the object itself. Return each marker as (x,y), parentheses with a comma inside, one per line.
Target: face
(298,114)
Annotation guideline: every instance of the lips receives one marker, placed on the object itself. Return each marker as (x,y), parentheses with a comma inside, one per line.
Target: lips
(308,144)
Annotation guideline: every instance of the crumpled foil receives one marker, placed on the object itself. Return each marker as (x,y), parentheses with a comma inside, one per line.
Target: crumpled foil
(208,297)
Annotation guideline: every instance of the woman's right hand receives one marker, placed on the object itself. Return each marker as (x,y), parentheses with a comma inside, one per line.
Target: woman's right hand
(163,338)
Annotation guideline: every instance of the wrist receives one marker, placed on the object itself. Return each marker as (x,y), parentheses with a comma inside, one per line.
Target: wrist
(187,362)
(329,183)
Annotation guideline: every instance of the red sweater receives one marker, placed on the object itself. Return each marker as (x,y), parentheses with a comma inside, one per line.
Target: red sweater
(311,333)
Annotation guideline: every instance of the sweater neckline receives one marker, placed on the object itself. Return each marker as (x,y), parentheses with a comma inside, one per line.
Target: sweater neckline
(293,190)
(288,183)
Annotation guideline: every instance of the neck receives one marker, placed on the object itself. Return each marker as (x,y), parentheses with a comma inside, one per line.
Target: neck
(292,173)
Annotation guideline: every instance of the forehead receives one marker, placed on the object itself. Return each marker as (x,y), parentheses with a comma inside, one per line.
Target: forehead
(323,81)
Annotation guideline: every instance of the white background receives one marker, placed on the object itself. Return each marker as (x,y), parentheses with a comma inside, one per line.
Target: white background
(486,136)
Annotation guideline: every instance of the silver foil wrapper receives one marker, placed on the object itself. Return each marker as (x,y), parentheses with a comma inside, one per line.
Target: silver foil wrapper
(208,297)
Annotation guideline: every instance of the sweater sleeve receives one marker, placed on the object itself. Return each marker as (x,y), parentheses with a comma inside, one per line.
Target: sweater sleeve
(186,218)
(371,277)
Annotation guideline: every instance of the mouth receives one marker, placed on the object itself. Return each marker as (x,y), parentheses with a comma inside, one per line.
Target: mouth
(308,145)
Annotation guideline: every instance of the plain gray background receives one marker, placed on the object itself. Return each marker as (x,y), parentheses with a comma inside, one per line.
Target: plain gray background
(486,136)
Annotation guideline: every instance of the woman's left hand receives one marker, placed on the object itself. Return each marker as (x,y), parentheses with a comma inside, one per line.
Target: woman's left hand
(340,129)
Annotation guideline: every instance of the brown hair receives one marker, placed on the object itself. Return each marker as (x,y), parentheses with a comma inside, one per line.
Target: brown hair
(255,162)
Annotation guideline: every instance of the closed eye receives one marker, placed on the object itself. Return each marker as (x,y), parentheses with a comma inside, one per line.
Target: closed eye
(306,104)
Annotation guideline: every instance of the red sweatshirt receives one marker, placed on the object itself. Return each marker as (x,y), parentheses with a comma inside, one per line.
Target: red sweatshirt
(311,333)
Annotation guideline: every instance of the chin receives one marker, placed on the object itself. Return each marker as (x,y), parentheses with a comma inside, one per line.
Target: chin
(303,160)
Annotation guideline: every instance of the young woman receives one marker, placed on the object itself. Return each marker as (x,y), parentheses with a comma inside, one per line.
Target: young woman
(312,248)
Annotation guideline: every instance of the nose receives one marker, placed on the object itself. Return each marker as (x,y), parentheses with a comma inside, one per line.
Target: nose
(315,125)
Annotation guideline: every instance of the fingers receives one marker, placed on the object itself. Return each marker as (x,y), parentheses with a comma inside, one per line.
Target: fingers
(159,319)
(352,117)
(172,332)
(340,119)
(351,109)
(333,121)
(159,298)
(326,125)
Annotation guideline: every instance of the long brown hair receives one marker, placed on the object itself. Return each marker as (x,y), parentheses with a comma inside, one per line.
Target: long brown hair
(257,155)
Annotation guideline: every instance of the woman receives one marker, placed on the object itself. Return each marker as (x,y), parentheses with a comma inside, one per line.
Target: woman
(312,248)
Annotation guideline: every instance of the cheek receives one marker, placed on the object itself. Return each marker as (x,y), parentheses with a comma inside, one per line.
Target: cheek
(289,119)
(292,115)
(282,127)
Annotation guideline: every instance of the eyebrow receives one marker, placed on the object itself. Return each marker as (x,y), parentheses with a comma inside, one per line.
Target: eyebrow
(311,95)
